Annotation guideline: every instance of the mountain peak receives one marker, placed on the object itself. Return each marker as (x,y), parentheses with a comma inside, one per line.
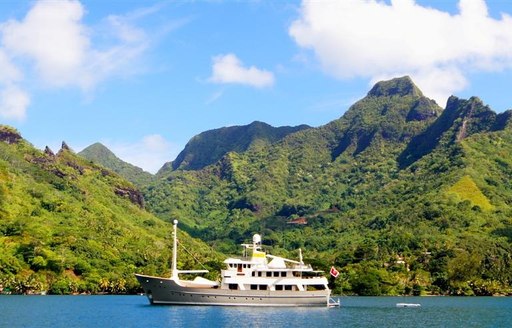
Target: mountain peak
(64,148)
(401,86)
(100,154)
(99,149)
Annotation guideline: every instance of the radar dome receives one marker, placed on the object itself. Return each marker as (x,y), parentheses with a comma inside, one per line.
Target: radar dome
(256,239)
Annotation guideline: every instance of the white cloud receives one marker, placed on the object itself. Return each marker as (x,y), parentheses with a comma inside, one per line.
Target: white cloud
(9,73)
(64,52)
(13,102)
(150,153)
(354,38)
(52,35)
(229,69)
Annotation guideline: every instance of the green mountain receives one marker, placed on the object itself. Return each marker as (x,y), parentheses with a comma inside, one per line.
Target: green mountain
(460,119)
(208,147)
(403,196)
(100,154)
(70,226)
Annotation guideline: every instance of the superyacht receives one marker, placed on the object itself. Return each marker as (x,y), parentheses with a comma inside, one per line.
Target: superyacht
(257,280)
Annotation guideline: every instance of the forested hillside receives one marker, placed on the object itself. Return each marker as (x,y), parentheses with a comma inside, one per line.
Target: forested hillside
(210,146)
(403,196)
(69,226)
(100,154)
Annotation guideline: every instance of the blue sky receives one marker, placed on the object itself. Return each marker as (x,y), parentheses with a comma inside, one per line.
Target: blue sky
(143,77)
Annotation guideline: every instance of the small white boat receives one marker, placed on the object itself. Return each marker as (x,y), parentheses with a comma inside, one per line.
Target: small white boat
(408,305)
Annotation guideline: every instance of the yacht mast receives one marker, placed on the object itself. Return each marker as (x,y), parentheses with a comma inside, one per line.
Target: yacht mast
(174,273)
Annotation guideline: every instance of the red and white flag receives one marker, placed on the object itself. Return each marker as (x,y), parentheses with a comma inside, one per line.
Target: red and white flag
(334,272)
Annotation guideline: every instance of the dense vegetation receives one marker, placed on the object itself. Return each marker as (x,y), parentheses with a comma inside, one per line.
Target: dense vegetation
(404,197)
(400,195)
(69,226)
(208,147)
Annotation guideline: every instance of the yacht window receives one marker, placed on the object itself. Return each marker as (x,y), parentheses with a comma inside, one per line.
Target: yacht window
(269,274)
(276,274)
(259,274)
(254,287)
(254,274)
(316,287)
(283,274)
(233,286)
(263,287)
(279,287)
(288,287)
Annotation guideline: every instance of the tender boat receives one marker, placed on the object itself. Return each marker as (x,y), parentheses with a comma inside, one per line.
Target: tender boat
(259,280)
(408,305)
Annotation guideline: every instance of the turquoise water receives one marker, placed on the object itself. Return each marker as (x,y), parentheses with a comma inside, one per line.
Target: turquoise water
(134,311)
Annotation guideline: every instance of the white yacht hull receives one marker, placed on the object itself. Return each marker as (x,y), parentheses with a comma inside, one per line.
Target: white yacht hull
(168,291)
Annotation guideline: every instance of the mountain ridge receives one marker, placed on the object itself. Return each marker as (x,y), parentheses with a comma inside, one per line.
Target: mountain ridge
(384,182)
(220,141)
(405,198)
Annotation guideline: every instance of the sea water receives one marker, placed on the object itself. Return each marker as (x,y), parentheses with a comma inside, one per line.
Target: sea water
(135,311)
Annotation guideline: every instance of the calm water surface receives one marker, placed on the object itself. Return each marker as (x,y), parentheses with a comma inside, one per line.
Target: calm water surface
(134,311)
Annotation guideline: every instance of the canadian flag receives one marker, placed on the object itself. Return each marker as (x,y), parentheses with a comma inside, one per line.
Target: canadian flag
(334,272)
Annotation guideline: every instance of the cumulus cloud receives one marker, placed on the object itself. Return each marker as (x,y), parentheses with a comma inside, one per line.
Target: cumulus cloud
(60,51)
(9,73)
(150,153)
(13,102)
(51,35)
(229,69)
(374,39)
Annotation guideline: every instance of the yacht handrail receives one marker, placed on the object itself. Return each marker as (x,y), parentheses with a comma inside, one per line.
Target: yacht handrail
(284,259)
(193,271)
